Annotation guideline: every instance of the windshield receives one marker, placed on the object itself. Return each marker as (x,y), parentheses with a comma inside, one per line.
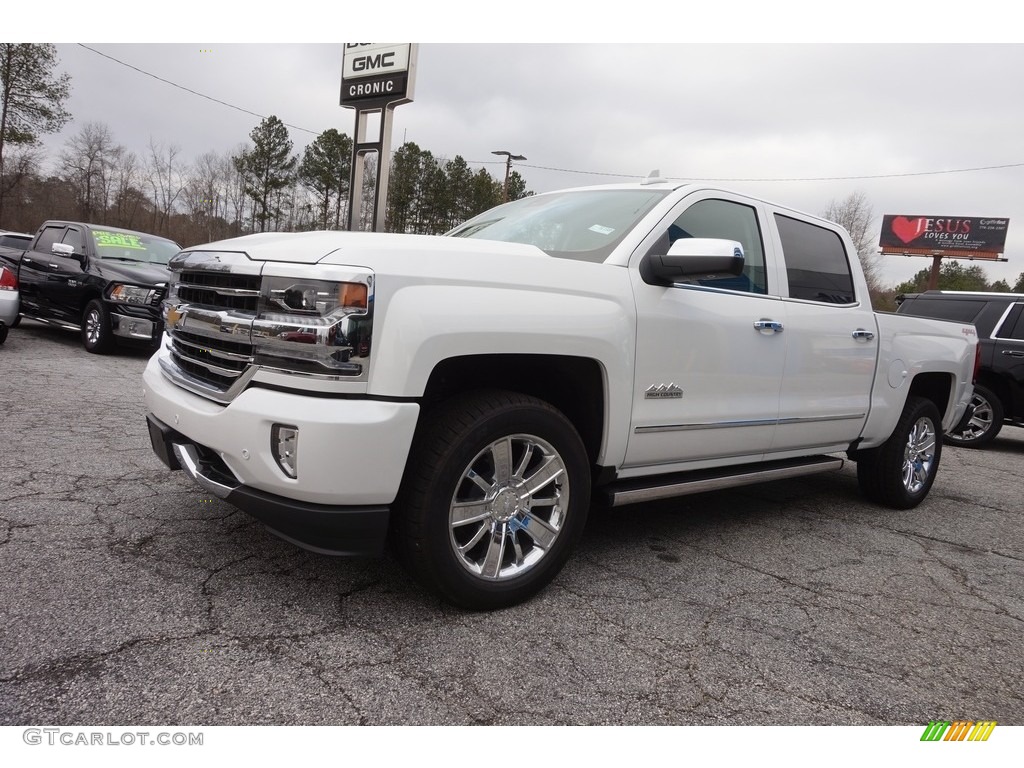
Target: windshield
(133,246)
(584,225)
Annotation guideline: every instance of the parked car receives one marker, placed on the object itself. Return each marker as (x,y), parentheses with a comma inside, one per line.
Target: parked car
(104,282)
(9,300)
(14,239)
(19,241)
(999,391)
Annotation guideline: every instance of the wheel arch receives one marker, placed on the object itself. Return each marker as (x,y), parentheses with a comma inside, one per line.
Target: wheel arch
(576,386)
(91,292)
(937,387)
(999,387)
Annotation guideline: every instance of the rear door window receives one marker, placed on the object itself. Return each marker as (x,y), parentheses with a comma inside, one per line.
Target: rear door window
(1012,327)
(817,265)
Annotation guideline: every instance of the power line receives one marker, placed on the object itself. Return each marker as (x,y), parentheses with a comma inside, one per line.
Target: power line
(811,178)
(571,170)
(189,90)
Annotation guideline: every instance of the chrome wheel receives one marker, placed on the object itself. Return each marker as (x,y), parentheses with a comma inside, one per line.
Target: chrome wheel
(509,507)
(919,455)
(980,423)
(93,326)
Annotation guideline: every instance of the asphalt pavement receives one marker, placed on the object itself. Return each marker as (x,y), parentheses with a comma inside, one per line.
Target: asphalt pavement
(130,597)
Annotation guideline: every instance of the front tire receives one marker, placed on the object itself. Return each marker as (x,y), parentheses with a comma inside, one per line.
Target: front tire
(900,472)
(495,495)
(97,337)
(984,425)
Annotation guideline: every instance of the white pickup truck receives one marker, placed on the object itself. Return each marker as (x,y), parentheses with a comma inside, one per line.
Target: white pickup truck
(467,394)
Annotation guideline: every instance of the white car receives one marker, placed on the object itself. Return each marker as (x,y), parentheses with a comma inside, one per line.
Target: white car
(9,300)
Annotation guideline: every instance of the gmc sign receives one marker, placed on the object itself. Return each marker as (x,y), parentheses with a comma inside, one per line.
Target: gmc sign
(375,74)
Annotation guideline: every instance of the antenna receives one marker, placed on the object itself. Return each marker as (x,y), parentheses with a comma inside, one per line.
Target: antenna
(654,177)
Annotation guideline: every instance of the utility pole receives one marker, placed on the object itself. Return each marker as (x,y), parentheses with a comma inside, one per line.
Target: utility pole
(509,157)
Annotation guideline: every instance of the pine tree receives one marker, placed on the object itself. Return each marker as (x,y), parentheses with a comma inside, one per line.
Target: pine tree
(268,168)
(32,97)
(325,169)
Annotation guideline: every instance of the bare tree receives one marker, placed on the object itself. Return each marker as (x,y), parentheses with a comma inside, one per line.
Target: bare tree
(205,196)
(128,198)
(235,198)
(21,164)
(857,217)
(165,179)
(88,163)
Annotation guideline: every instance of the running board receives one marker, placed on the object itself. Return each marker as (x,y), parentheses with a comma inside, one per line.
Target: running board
(684,483)
(55,323)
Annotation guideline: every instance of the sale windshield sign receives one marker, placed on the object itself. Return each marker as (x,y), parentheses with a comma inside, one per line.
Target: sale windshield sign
(983,237)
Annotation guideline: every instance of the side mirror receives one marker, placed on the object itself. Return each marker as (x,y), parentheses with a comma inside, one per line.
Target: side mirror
(697,258)
(68,251)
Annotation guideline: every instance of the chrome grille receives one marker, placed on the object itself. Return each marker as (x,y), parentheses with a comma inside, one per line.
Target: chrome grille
(219,289)
(218,362)
(224,328)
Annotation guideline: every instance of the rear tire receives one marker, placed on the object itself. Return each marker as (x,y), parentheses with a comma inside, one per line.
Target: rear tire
(900,472)
(3,333)
(984,425)
(495,495)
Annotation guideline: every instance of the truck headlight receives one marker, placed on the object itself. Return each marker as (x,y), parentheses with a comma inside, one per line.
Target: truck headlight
(310,326)
(131,294)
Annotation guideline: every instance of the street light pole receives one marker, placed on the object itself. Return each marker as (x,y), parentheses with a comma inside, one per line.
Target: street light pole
(509,157)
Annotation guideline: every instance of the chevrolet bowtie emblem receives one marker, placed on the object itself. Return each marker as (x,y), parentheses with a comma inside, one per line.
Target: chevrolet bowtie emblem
(663,391)
(173,315)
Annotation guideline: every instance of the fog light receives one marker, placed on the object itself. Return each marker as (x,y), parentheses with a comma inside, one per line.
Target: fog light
(284,444)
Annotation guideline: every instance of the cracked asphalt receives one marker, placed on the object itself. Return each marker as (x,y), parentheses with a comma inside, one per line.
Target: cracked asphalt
(129,597)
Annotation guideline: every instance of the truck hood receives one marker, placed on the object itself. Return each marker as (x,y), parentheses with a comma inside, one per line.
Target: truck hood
(130,272)
(357,248)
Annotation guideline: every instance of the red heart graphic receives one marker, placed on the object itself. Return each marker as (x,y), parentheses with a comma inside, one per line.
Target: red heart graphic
(907,229)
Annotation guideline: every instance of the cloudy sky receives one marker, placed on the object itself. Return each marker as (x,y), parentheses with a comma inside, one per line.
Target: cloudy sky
(919,128)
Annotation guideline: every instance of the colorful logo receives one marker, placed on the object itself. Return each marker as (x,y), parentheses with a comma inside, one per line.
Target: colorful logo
(958,730)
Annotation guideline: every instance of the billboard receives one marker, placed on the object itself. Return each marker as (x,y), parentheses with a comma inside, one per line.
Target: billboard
(965,236)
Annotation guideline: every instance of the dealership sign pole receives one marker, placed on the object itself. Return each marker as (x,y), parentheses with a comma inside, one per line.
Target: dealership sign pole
(949,237)
(375,77)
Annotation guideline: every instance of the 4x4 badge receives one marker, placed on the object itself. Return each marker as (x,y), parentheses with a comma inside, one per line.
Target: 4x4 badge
(663,391)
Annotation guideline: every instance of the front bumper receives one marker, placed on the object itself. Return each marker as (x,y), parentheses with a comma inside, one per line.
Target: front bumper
(351,456)
(331,530)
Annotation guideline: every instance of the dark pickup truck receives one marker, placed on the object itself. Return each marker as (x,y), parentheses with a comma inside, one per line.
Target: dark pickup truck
(107,283)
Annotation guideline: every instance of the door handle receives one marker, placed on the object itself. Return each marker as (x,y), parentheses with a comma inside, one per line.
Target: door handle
(764,324)
(55,266)
(861,335)
(1013,353)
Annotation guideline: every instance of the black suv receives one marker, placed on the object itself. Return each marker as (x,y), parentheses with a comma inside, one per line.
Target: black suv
(999,320)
